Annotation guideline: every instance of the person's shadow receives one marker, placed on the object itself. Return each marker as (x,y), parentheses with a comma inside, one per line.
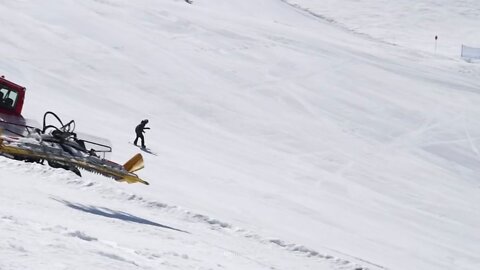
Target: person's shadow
(109,213)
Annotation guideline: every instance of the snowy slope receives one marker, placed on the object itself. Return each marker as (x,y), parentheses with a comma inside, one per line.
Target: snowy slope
(282,139)
(410,24)
(47,224)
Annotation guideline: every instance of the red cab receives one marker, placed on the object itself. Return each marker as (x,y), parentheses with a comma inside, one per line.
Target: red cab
(12,96)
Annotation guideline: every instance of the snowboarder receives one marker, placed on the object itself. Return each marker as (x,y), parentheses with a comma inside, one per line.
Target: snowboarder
(139,130)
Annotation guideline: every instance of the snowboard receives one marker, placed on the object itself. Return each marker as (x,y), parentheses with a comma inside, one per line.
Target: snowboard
(144,149)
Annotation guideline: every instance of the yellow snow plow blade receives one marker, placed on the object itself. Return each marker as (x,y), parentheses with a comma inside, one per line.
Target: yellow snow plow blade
(127,175)
(134,164)
(133,179)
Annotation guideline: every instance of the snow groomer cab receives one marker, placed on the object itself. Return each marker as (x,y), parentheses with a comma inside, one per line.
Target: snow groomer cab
(12,96)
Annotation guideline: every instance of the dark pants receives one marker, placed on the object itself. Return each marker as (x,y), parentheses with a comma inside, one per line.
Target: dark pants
(140,136)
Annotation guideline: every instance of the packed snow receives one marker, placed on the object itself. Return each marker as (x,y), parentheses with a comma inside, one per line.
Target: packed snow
(284,134)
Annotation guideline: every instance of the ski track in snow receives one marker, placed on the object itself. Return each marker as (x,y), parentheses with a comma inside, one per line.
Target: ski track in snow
(59,176)
(332,21)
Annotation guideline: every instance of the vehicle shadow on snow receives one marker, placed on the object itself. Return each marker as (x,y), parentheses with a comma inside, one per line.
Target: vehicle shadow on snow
(109,213)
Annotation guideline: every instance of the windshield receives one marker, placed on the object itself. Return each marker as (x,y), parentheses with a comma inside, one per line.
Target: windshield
(8,98)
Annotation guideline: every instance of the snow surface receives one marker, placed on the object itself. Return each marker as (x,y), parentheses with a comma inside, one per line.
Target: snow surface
(286,135)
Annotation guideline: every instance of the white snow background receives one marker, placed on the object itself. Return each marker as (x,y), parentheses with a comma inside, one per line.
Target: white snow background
(287,134)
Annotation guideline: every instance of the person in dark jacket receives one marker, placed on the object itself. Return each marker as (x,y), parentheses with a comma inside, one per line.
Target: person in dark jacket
(139,130)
